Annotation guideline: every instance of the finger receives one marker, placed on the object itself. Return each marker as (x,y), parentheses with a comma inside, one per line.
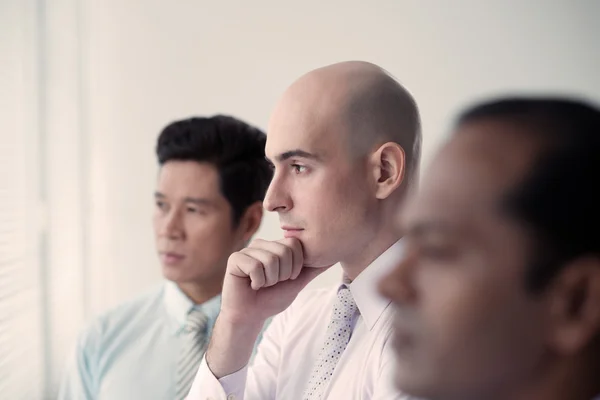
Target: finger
(285,267)
(286,258)
(269,261)
(283,251)
(297,255)
(248,267)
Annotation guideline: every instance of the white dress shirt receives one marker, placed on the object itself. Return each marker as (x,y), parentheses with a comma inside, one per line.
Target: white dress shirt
(290,346)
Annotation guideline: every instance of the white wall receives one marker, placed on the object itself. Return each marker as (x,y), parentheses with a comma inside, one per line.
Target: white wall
(21,209)
(149,63)
(118,71)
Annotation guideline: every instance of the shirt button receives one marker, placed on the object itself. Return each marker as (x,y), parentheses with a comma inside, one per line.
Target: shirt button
(231,397)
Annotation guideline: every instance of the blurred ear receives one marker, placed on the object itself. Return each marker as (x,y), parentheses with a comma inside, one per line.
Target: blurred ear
(250,221)
(575,306)
(388,167)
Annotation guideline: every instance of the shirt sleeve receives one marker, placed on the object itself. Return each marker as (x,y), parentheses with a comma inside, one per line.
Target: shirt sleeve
(207,387)
(79,381)
(258,382)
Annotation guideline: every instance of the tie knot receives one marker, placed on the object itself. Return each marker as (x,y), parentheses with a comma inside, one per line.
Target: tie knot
(344,306)
(196,321)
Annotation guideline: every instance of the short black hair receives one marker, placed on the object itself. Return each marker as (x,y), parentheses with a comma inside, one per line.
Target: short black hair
(235,148)
(559,198)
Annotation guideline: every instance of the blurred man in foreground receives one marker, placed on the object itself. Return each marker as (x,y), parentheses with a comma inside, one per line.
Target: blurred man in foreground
(498,297)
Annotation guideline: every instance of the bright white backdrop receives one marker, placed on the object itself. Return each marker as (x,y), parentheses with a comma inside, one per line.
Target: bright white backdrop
(103,77)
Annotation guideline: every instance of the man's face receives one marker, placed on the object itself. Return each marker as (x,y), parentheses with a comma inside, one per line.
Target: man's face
(465,325)
(192,223)
(323,195)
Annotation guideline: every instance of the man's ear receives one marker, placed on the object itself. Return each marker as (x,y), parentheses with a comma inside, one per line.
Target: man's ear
(250,221)
(388,164)
(575,306)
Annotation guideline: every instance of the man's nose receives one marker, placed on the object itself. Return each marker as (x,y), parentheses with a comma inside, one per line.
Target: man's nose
(173,226)
(278,197)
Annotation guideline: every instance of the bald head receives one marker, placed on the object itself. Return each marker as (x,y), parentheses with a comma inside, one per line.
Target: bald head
(361,101)
(344,141)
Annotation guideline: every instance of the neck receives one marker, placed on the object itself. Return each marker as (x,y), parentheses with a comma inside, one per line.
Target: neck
(379,234)
(201,292)
(566,380)
(368,253)
(573,380)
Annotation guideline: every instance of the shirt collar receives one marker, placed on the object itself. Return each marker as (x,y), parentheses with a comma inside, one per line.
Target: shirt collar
(364,288)
(178,306)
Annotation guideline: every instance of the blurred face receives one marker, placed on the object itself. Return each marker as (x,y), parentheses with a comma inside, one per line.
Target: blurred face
(465,326)
(192,223)
(322,195)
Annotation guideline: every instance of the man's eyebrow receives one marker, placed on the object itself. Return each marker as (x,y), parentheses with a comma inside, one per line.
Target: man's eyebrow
(196,200)
(297,153)
(199,201)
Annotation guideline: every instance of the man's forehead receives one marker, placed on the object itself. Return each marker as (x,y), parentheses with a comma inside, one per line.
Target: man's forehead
(280,148)
(471,175)
(319,140)
(485,159)
(305,119)
(460,174)
(190,177)
(459,185)
(503,149)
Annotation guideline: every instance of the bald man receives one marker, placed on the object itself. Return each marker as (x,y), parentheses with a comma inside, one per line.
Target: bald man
(345,143)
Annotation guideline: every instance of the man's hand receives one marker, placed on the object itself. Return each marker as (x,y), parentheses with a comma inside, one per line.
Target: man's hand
(261,280)
(264,279)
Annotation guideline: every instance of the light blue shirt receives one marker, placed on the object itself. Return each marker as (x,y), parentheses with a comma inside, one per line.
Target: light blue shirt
(131,352)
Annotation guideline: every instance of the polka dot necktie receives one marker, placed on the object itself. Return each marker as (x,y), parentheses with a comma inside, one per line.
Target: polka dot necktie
(338,335)
(194,341)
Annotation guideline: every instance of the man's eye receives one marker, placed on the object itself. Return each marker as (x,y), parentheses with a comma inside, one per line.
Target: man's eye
(299,168)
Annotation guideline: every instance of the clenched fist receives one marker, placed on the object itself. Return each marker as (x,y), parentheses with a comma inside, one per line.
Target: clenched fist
(264,279)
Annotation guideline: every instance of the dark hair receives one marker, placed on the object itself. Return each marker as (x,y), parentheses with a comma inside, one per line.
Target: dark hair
(235,148)
(559,199)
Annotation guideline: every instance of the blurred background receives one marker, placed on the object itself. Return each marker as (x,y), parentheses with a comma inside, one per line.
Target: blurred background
(86,86)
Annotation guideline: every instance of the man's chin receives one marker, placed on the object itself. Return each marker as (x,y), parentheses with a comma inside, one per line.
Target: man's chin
(409,388)
(410,381)
(175,273)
